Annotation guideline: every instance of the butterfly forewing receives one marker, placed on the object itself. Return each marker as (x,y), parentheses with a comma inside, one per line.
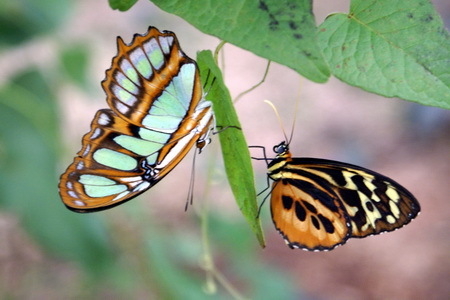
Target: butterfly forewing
(318,204)
(152,82)
(157,114)
(374,202)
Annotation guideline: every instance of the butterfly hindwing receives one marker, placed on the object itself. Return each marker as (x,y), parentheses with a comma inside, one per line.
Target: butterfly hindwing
(306,216)
(105,173)
(318,204)
(157,113)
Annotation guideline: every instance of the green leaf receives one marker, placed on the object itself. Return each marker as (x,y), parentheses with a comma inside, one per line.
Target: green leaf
(393,48)
(122,5)
(234,147)
(283,31)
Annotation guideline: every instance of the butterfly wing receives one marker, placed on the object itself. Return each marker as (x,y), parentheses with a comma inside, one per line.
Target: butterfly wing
(307,216)
(105,173)
(374,202)
(157,114)
(335,195)
(153,84)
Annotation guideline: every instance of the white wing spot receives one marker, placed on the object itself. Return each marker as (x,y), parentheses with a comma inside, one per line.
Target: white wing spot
(121,195)
(131,179)
(79,203)
(104,119)
(88,148)
(96,133)
(80,165)
(390,219)
(72,194)
(392,193)
(143,186)
(122,108)
(69,185)
(394,209)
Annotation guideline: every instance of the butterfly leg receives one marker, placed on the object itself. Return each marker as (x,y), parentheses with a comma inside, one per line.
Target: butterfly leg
(223,128)
(264,154)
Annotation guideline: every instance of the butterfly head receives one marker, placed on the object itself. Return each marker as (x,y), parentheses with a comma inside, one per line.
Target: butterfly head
(282,149)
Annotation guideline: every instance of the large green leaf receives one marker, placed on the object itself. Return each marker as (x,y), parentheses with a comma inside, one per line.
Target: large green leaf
(122,5)
(393,48)
(234,147)
(283,31)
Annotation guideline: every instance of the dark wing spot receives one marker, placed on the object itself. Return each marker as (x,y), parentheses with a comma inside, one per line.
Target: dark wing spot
(381,188)
(287,202)
(359,181)
(326,224)
(135,130)
(300,212)
(315,222)
(309,207)
(350,197)
(369,206)
(325,199)
(336,175)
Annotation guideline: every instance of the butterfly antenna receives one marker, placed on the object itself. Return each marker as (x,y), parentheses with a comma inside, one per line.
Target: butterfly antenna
(279,120)
(295,115)
(295,120)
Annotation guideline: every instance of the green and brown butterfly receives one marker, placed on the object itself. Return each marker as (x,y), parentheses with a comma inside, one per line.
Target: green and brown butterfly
(157,114)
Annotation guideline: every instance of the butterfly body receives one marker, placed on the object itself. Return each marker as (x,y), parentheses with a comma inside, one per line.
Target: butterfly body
(318,204)
(157,114)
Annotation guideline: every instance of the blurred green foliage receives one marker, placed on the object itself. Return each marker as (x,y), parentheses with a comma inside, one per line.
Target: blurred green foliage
(23,20)
(29,135)
(74,62)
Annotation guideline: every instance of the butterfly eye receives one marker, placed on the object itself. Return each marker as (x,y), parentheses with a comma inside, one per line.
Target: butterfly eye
(281,148)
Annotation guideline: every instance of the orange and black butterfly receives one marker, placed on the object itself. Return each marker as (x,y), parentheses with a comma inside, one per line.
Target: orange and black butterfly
(157,113)
(318,204)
